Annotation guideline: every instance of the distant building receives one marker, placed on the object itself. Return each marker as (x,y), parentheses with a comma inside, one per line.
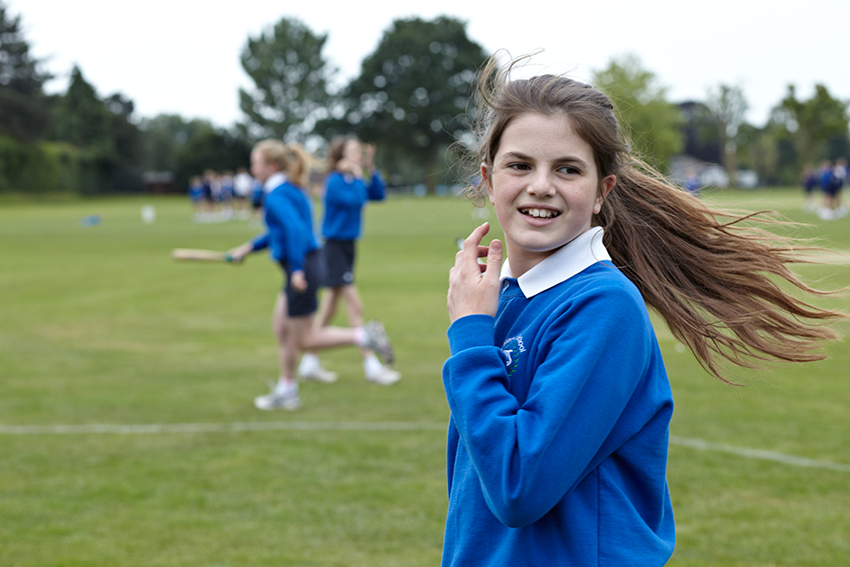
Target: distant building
(159,182)
(710,174)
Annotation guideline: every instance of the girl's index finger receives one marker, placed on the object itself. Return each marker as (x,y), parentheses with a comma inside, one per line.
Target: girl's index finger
(474,238)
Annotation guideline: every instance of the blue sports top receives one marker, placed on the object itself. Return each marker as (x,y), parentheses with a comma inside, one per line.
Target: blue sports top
(345,196)
(302,203)
(286,235)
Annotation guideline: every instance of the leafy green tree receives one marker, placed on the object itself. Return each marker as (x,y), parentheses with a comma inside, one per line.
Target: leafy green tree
(410,93)
(652,123)
(728,107)
(107,142)
(759,149)
(81,117)
(291,78)
(24,109)
(702,140)
(126,140)
(210,149)
(164,137)
(812,124)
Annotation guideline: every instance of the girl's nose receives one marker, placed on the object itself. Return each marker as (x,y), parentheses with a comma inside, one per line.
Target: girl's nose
(541,185)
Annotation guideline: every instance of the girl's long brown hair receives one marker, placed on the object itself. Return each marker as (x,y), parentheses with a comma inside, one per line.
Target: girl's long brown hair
(335,150)
(713,275)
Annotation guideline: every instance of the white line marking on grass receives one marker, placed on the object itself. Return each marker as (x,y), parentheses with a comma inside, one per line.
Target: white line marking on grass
(220,427)
(368,426)
(758,454)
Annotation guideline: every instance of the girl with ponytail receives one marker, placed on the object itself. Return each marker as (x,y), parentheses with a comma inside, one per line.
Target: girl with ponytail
(560,403)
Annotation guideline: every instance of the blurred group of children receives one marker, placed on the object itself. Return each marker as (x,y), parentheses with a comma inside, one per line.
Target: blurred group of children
(829,178)
(224,196)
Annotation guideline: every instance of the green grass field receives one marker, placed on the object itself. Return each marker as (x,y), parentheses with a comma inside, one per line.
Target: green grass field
(128,435)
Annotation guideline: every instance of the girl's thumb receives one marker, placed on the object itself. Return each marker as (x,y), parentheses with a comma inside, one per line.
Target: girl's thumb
(494,258)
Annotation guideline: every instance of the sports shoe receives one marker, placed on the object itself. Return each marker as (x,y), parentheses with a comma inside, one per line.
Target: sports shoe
(378,341)
(281,397)
(385,376)
(319,374)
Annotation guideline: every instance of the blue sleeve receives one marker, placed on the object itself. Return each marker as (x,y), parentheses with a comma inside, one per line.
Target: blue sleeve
(260,242)
(586,365)
(343,193)
(376,190)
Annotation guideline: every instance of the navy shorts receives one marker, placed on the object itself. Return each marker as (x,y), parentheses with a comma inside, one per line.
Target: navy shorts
(304,303)
(832,189)
(339,263)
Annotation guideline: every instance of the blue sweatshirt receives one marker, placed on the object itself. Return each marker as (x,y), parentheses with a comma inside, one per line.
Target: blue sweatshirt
(301,201)
(560,412)
(285,229)
(345,196)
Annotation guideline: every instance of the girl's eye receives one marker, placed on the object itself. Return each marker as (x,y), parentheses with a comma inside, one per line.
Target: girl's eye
(520,166)
(569,170)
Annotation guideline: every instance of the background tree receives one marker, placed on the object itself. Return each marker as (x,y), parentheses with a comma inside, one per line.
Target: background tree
(81,118)
(816,125)
(700,132)
(126,140)
(409,94)
(652,123)
(728,107)
(164,138)
(213,149)
(24,109)
(107,143)
(291,78)
(758,149)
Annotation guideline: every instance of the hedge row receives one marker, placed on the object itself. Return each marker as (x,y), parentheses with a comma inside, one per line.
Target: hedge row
(50,167)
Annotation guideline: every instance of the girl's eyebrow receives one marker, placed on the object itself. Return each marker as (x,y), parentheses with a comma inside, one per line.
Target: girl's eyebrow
(524,157)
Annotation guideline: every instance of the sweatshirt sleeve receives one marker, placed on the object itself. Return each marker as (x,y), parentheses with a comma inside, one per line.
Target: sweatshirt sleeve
(376,190)
(260,242)
(586,363)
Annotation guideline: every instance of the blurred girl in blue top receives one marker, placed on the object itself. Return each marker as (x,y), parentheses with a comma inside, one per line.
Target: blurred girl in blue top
(560,403)
(352,181)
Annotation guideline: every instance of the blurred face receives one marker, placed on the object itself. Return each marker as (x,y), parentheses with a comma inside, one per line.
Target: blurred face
(544,186)
(260,168)
(352,152)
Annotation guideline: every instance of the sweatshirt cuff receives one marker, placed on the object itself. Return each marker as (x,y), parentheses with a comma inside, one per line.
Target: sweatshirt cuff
(472,331)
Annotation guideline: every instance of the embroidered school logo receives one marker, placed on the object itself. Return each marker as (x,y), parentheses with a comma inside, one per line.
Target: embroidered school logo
(513,349)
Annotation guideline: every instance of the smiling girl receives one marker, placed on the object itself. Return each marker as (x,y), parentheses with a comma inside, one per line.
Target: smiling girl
(560,403)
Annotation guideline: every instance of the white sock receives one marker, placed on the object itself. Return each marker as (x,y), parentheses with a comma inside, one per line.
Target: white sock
(285,384)
(372,365)
(309,363)
(360,337)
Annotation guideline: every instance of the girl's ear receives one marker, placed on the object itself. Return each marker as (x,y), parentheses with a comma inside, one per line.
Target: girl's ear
(604,188)
(485,181)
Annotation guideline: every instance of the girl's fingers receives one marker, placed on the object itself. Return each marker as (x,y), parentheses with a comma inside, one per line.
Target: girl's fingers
(473,241)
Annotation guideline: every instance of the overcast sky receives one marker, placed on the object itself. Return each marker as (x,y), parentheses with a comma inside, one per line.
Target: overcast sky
(182,56)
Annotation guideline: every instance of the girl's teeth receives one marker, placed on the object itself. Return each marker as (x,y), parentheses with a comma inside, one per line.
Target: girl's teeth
(538,213)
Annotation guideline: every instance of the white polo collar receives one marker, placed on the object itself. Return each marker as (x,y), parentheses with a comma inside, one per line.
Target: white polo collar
(582,252)
(274,181)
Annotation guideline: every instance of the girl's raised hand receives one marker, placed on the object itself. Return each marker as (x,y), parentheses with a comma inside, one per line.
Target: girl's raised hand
(368,157)
(350,167)
(474,287)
